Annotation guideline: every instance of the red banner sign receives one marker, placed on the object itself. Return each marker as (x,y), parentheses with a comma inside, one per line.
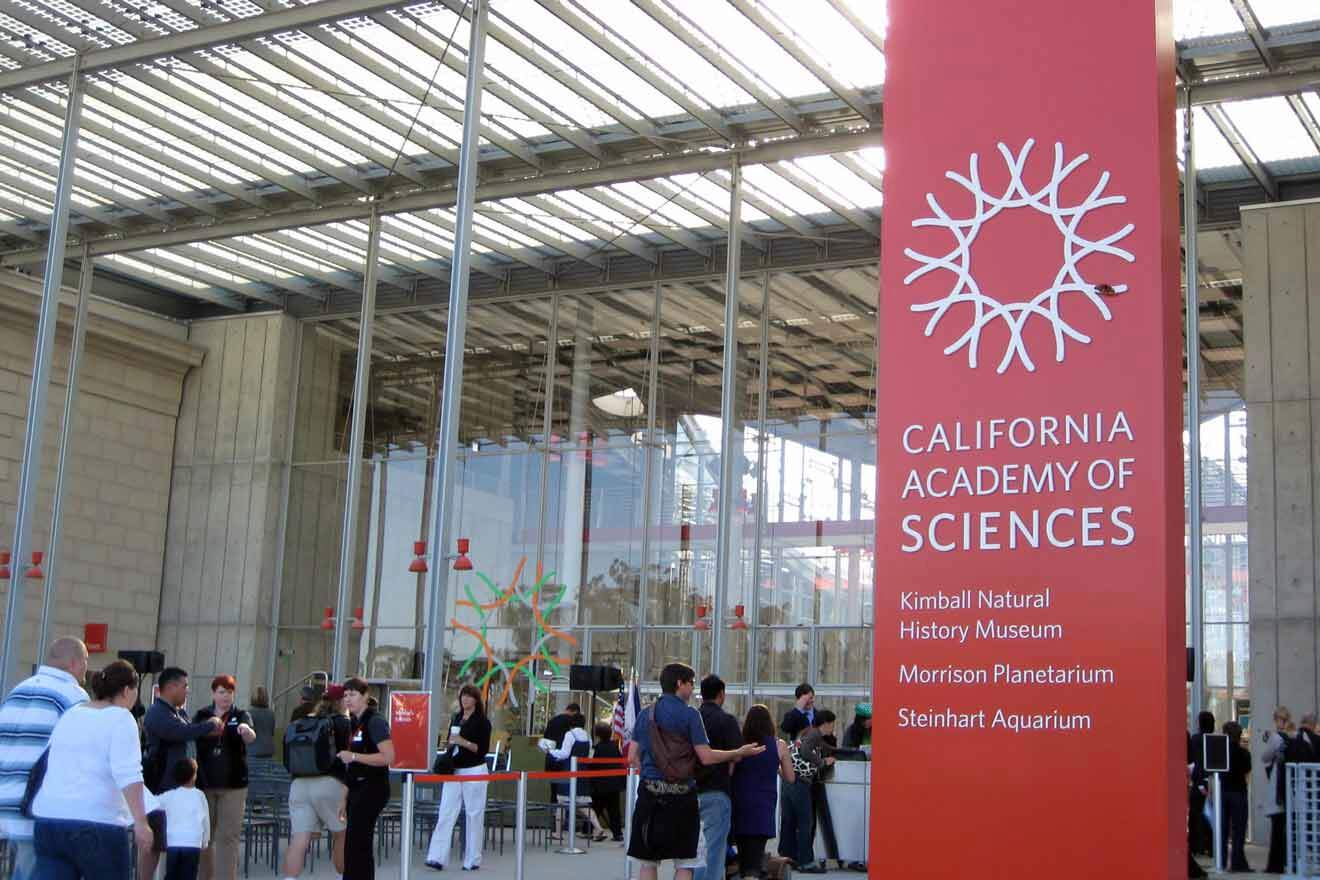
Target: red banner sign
(410,716)
(1029,626)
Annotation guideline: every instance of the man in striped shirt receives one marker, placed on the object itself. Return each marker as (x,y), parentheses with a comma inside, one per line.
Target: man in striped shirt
(27,716)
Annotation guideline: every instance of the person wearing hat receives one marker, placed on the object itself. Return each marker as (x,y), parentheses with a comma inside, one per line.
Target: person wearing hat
(858,733)
(317,802)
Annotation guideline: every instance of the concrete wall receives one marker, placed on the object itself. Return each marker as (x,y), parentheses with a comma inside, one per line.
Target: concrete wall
(110,559)
(1281,319)
(230,463)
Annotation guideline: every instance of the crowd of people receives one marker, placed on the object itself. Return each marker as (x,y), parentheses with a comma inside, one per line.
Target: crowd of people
(1281,744)
(91,783)
(706,780)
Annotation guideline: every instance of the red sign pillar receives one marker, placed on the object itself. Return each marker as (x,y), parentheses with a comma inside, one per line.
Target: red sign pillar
(1029,628)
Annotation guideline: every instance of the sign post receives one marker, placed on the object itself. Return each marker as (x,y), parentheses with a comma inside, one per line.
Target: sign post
(410,720)
(1029,623)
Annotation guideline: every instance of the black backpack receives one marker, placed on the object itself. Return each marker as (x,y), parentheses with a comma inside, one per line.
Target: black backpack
(309,746)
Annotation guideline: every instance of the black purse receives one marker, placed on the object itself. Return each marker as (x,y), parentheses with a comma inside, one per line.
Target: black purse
(36,776)
(444,764)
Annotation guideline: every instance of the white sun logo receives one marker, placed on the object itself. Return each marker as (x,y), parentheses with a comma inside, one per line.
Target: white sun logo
(1045,304)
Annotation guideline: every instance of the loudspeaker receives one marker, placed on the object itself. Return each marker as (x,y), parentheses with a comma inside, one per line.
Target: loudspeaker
(144,662)
(1191,664)
(594,678)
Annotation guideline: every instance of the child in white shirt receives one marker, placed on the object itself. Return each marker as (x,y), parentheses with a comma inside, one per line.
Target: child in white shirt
(187,823)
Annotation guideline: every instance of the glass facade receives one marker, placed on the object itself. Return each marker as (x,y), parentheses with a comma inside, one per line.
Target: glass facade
(592,443)
(588,479)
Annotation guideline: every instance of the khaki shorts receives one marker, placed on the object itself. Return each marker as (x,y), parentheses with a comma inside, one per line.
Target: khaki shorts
(317,802)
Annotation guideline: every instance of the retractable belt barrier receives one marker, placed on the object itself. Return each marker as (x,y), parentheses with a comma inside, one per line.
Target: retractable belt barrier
(411,780)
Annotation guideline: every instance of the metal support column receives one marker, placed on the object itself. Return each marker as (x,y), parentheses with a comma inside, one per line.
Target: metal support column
(762,510)
(727,545)
(653,450)
(452,385)
(1193,343)
(30,470)
(66,435)
(348,538)
(282,528)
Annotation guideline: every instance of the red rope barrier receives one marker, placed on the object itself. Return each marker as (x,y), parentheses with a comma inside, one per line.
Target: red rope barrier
(569,774)
(430,778)
(485,777)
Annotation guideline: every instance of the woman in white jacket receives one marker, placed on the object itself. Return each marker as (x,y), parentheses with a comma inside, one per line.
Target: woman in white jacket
(577,744)
(1272,758)
(92,794)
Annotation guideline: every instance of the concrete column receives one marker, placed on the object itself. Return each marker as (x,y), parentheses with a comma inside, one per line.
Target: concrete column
(1281,321)
(229,468)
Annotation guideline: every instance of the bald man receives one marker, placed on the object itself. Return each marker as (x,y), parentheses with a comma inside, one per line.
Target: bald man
(27,716)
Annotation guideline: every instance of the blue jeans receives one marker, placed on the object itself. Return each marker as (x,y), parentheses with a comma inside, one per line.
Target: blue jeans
(716,817)
(796,831)
(69,850)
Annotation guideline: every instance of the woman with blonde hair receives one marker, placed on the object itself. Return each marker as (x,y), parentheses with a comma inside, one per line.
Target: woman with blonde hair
(1281,748)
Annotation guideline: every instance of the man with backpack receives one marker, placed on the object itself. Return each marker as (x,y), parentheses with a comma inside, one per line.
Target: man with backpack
(669,741)
(317,796)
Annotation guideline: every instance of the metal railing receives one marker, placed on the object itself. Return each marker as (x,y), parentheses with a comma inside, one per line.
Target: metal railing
(521,777)
(1302,790)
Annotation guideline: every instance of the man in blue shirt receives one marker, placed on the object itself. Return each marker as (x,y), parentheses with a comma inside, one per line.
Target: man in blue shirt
(669,741)
(27,717)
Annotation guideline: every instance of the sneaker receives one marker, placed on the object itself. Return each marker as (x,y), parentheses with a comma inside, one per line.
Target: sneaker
(435,866)
(813,868)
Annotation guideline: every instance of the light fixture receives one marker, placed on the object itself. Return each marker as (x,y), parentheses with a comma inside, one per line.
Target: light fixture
(624,403)
(701,622)
(5,573)
(738,622)
(462,562)
(418,565)
(35,571)
(357,619)
(328,622)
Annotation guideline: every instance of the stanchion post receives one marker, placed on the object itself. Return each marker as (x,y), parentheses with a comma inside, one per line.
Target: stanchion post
(630,801)
(572,848)
(1216,798)
(405,833)
(520,828)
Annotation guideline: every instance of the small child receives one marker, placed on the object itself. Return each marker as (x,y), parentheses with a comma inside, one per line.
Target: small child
(187,823)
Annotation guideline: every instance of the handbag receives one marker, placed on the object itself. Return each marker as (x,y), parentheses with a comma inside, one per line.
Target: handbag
(443,764)
(36,776)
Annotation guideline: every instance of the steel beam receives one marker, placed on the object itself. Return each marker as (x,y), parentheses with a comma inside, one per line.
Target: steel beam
(727,552)
(66,435)
(1193,345)
(451,395)
(774,28)
(1244,151)
(685,29)
(291,19)
(1244,88)
(348,537)
(425,200)
(29,477)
